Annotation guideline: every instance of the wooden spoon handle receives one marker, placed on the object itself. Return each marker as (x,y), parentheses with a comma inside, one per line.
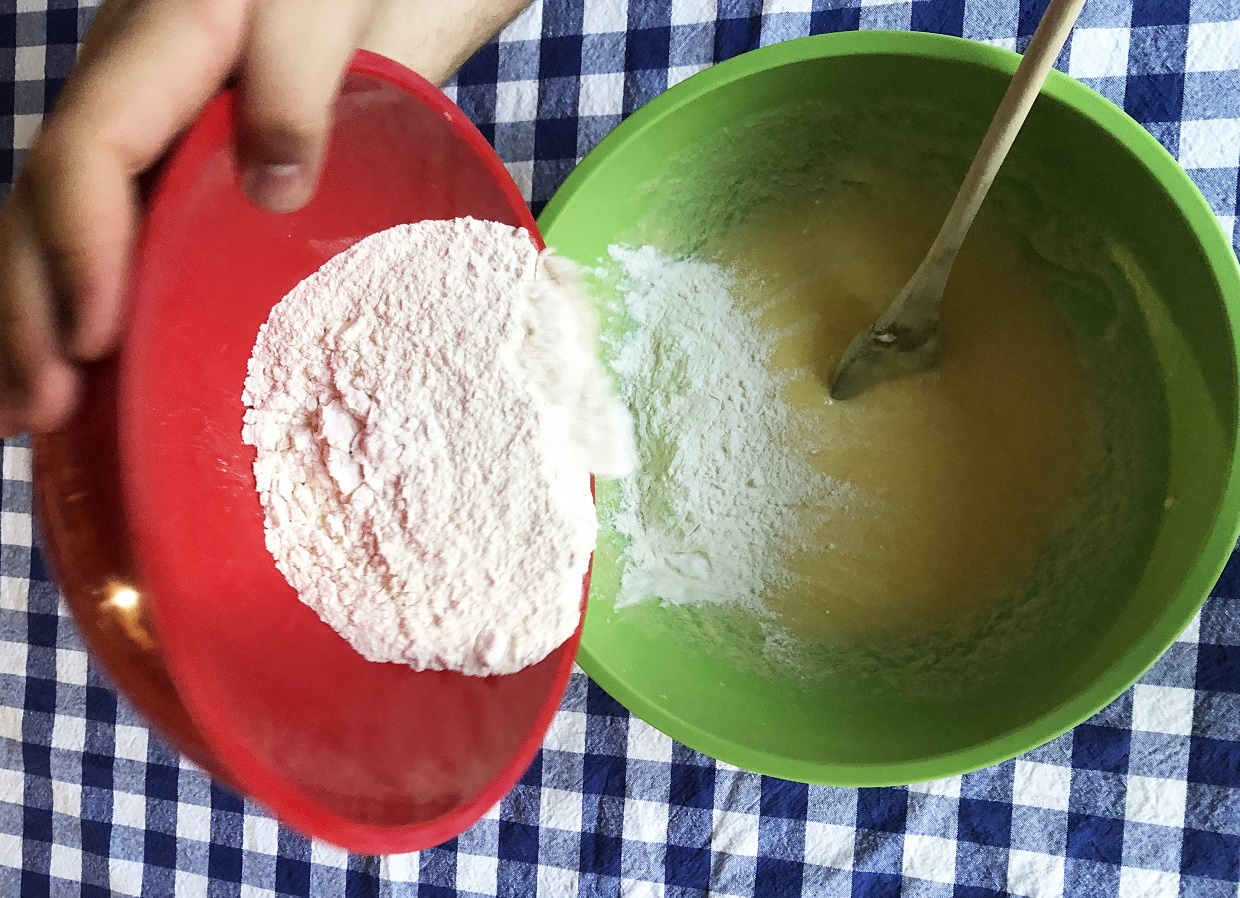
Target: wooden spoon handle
(1030,75)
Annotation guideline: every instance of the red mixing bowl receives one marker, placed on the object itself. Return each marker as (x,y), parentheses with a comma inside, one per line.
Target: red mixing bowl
(151,518)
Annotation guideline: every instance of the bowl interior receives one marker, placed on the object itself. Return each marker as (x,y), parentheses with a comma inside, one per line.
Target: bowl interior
(375,757)
(1155,273)
(78,499)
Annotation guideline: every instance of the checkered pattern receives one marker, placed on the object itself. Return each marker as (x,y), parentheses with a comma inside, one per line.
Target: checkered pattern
(1143,801)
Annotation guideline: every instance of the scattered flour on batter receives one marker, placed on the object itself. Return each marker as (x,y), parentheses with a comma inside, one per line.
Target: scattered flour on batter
(719,499)
(426,410)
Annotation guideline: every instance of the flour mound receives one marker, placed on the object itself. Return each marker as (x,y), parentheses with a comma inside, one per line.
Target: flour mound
(414,407)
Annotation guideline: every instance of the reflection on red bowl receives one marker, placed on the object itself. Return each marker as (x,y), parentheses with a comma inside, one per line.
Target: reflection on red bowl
(155,529)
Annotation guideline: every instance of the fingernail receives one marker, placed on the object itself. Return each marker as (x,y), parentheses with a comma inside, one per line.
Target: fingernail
(278,187)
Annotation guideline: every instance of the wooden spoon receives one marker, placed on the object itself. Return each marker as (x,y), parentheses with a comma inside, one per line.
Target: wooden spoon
(905,338)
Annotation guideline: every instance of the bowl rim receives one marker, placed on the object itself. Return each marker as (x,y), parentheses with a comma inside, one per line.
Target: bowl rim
(1195,586)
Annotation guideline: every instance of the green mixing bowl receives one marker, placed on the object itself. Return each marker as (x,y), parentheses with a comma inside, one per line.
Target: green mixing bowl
(1121,196)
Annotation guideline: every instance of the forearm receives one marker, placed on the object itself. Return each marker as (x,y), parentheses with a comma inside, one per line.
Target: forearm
(436,37)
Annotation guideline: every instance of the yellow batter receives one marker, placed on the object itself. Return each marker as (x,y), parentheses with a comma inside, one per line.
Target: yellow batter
(960,479)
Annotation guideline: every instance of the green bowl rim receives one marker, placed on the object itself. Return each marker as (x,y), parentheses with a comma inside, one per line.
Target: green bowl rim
(1195,586)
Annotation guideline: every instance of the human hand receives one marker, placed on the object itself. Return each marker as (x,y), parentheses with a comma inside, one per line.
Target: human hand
(146,70)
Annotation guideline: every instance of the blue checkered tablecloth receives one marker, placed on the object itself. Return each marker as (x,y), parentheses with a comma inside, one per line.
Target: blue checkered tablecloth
(1143,801)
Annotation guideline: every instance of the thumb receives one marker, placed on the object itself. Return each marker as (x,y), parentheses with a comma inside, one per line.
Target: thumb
(291,72)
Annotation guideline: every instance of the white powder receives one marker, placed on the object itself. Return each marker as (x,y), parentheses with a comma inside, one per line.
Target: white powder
(719,498)
(426,409)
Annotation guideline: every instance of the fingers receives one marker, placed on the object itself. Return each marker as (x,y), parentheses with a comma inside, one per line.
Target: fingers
(38,388)
(142,82)
(86,231)
(147,68)
(297,53)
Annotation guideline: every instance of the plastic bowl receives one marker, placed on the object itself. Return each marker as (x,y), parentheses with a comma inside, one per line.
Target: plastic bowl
(155,529)
(1130,190)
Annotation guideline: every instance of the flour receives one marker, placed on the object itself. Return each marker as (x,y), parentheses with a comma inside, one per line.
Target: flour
(426,409)
(718,500)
